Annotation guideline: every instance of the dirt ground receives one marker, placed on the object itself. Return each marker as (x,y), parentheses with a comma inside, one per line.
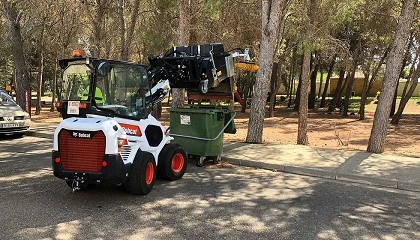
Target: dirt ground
(334,131)
(324,130)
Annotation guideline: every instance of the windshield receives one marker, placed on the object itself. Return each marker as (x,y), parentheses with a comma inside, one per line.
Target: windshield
(76,81)
(122,89)
(6,99)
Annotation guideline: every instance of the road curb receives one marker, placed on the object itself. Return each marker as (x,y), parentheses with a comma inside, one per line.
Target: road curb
(255,164)
(374,181)
(282,168)
(310,172)
(333,175)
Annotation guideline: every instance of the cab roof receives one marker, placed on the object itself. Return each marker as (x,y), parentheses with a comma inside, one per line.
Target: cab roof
(63,63)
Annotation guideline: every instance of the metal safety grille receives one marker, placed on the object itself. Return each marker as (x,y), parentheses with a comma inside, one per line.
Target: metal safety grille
(125,153)
(82,154)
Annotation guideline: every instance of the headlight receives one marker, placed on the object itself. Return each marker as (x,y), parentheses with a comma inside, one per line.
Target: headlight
(26,116)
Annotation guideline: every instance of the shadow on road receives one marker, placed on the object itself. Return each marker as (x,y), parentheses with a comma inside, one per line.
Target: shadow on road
(208,203)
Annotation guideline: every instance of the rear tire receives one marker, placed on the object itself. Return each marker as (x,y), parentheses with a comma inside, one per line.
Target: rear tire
(172,162)
(142,174)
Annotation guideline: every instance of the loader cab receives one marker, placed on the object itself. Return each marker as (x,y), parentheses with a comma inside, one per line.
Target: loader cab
(102,87)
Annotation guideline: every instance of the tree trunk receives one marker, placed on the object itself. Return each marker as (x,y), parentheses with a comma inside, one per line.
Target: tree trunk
(271,12)
(302,137)
(404,100)
(406,59)
(40,69)
(22,87)
(121,20)
(178,94)
(394,100)
(98,29)
(54,88)
(363,99)
(321,81)
(273,89)
(297,98)
(246,93)
(327,83)
(40,81)
(410,74)
(344,87)
(337,93)
(366,91)
(349,87)
(380,123)
(292,77)
(407,83)
(128,33)
(312,93)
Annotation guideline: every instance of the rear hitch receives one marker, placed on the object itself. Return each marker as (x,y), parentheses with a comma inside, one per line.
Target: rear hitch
(75,185)
(203,86)
(78,182)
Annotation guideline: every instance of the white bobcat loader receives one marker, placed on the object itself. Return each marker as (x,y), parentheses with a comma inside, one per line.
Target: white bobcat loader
(107,135)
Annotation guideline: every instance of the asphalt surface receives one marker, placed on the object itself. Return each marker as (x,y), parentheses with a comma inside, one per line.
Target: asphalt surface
(213,202)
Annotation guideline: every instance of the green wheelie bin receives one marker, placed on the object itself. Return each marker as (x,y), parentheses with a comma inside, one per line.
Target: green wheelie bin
(200,130)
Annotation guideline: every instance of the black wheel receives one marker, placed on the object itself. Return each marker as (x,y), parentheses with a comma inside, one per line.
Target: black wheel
(172,162)
(217,159)
(142,174)
(200,161)
(18,135)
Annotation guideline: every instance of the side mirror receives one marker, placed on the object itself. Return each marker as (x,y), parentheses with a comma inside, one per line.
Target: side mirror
(103,69)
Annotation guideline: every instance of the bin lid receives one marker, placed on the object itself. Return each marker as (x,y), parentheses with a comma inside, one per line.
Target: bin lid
(198,110)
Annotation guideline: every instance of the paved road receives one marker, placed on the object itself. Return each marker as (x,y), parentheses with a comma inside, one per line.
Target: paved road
(213,202)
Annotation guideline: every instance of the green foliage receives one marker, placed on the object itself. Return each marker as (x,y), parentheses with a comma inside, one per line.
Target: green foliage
(165,5)
(354,106)
(234,23)
(212,9)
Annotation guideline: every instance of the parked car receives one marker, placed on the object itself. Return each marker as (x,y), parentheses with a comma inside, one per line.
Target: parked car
(13,119)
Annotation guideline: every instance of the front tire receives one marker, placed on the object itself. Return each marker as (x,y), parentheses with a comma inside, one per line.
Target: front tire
(172,162)
(142,174)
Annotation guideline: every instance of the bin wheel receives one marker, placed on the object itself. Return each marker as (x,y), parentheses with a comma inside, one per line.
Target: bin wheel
(217,159)
(172,162)
(200,161)
(142,174)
